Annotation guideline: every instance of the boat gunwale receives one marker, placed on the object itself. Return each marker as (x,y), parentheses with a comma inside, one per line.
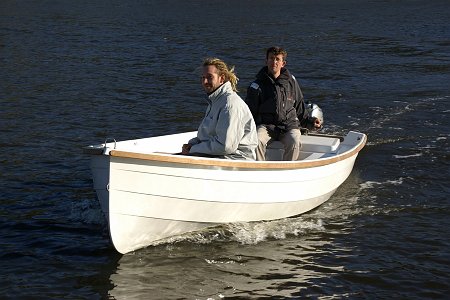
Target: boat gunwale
(240,164)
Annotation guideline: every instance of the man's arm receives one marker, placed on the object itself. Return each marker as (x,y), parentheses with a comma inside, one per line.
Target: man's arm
(302,112)
(299,104)
(229,132)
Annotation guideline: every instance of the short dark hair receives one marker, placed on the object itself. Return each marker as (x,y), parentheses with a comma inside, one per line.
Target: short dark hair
(276,51)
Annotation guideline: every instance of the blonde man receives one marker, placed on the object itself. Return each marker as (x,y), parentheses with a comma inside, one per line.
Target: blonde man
(227,130)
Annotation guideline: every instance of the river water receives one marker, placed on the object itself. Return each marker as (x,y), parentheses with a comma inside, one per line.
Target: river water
(73,73)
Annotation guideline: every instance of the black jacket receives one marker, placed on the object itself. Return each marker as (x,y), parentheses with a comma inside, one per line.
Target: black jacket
(276,103)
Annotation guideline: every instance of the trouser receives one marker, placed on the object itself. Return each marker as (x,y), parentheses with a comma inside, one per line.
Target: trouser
(290,140)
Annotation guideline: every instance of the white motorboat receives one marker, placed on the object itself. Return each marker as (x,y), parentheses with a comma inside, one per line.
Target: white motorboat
(148,193)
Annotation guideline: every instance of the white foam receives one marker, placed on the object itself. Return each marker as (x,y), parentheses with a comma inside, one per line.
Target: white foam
(253,233)
(249,233)
(407,156)
(372,184)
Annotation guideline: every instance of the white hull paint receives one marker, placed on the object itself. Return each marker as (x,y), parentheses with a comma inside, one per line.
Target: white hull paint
(148,195)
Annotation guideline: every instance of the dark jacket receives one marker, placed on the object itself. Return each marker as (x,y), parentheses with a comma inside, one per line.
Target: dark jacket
(276,103)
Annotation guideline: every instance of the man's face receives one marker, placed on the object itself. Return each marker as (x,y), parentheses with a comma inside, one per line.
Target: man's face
(211,79)
(275,63)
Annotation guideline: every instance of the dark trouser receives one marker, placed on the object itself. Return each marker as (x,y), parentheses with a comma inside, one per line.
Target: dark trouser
(202,155)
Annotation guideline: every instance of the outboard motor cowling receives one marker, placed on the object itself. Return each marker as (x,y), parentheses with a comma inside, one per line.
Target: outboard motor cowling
(313,112)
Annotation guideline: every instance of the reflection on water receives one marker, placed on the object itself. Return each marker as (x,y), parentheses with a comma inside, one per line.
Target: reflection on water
(219,269)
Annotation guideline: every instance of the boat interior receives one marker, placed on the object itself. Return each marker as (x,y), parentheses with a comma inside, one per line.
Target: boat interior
(313,147)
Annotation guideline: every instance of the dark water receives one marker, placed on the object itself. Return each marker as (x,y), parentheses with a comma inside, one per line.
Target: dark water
(75,72)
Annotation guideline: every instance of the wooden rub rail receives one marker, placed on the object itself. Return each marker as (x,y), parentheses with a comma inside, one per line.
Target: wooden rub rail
(240,164)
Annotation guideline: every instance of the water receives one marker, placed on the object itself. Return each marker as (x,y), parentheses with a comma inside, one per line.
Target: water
(76,72)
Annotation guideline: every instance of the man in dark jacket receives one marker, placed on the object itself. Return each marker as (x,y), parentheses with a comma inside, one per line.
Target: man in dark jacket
(277,105)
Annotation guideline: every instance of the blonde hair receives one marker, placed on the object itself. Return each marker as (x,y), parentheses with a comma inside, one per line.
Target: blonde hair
(223,69)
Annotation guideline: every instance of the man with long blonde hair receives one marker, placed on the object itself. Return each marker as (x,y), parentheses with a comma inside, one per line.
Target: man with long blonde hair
(228,129)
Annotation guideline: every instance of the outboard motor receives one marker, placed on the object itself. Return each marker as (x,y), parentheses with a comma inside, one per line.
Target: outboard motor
(314,112)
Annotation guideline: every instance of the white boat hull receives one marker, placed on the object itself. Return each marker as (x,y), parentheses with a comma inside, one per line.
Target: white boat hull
(147,199)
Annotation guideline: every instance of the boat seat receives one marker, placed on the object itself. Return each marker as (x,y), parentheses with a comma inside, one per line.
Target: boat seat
(311,144)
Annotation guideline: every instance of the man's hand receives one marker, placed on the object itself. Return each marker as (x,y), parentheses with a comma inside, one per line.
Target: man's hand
(317,123)
(185,149)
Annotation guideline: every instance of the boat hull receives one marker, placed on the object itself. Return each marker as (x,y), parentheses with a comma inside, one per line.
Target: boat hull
(147,200)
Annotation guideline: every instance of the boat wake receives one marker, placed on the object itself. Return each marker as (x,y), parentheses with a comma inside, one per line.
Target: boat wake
(373,184)
(250,233)
(253,233)
(401,122)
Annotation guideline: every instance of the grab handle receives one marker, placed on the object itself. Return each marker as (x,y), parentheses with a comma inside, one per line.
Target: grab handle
(107,149)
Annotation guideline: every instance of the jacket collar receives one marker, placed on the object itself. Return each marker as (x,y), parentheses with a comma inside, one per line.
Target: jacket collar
(224,88)
(263,74)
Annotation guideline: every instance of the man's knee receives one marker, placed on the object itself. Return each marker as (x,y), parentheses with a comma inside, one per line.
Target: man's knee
(263,134)
(292,138)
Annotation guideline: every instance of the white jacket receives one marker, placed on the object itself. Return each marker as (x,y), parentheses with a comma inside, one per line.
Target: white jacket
(228,128)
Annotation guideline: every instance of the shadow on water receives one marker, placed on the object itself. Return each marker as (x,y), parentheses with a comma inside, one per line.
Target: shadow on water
(213,270)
